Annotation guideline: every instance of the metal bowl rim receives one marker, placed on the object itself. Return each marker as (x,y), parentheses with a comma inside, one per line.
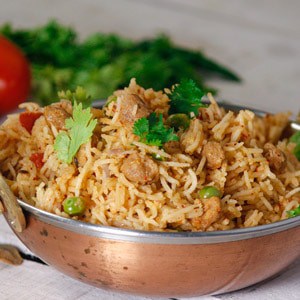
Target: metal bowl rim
(158,237)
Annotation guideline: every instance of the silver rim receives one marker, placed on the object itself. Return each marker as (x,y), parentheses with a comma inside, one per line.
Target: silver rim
(153,237)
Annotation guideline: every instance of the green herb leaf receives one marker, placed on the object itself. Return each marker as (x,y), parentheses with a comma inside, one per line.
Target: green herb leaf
(178,121)
(141,128)
(186,98)
(80,129)
(152,131)
(294,212)
(80,95)
(154,142)
(295,138)
(297,151)
(62,146)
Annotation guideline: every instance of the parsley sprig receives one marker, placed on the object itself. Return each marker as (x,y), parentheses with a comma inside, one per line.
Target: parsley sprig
(152,130)
(186,97)
(79,130)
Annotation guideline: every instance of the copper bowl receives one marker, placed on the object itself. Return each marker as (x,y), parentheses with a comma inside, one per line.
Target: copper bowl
(181,264)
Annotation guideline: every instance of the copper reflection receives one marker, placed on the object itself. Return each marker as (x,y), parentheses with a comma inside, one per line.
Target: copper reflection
(159,269)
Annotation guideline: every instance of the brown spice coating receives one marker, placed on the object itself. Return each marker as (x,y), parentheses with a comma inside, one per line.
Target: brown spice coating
(127,110)
(276,158)
(56,116)
(212,212)
(172,147)
(214,154)
(140,169)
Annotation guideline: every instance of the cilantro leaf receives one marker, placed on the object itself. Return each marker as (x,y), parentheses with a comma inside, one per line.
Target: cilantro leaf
(62,146)
(141,128)
(294,212)
(186,98)
(295,138)
(154,142)
(152,131)
(80,129)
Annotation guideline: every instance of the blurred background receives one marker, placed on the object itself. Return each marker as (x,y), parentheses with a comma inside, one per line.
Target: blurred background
(255,41)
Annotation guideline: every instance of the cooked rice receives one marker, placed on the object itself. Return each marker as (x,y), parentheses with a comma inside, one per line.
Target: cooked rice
(253,194)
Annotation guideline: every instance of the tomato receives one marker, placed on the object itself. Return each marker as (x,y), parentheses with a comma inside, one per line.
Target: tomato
(14,76)
(28,118)
(37,159)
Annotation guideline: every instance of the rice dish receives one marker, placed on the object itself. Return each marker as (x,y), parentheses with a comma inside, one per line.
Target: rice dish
(127,183)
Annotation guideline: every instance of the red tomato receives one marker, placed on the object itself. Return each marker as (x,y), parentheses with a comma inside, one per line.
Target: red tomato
(37,159)
(14,76)
(28,118)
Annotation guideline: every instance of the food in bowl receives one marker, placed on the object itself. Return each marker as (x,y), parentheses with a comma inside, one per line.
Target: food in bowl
(156,161)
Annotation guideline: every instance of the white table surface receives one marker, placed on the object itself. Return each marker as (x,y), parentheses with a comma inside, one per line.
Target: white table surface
(258,39)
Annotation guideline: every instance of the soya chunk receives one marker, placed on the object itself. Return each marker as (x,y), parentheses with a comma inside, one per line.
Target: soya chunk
(275,157)
(56,115)
(139,169)
(214,155)
(132,108)
(212,212)
(172,147)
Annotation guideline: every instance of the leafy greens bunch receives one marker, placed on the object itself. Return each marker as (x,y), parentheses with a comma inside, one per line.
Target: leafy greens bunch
(103,63)
(153,132)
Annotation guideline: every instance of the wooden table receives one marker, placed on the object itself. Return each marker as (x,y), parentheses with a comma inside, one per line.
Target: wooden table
(259,39)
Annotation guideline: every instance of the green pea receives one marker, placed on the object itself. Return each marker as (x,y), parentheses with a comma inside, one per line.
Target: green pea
(294,212)
(209,191)
(158,157)
(74,206)
(178,121)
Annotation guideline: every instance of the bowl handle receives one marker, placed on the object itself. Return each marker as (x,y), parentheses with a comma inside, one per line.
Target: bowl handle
(11,207)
